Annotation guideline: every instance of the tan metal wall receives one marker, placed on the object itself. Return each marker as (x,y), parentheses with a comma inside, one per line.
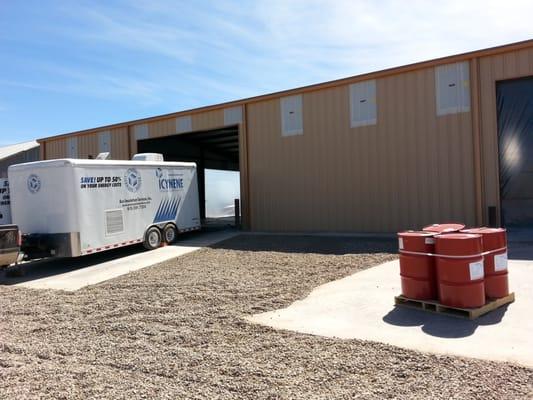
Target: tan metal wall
(516,64)
(410,169)
(55,149)
(87,146)
(161,128)
(119,144)
(167,126)
(88,143)
(208,120)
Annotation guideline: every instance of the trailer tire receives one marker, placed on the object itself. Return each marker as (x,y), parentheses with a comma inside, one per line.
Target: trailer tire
(170,233)
(152,238)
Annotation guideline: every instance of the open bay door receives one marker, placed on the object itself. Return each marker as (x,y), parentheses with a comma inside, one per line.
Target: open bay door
(515,137)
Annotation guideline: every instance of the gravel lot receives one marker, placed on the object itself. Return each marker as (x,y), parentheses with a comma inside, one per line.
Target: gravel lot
(176,330)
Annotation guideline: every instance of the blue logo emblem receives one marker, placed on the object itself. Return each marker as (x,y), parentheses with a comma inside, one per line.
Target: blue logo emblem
(159,172)
(133,180)
(34,183)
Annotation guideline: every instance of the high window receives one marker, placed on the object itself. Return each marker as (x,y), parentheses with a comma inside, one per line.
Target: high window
(291,116)
(452,82)
(363,107)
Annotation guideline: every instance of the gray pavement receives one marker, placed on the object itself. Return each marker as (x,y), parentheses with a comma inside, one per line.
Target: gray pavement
(74,273)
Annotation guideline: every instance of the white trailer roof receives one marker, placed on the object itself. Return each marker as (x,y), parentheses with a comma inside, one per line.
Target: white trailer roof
(98,163)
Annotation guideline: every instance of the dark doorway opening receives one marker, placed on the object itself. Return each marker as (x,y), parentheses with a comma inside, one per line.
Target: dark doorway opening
(216,149)
(515,140)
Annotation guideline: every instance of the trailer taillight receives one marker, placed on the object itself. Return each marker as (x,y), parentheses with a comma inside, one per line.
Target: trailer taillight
(19,238)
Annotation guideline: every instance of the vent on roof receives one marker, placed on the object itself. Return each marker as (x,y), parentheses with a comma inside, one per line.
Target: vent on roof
(103,156)
(148,157)
(114,222)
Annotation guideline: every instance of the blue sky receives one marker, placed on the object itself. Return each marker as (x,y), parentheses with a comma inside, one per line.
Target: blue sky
(70,65)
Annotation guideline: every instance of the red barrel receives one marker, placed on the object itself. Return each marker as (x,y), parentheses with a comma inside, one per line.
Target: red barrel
(444,228)
(495,262)
(460,273)
(417,271)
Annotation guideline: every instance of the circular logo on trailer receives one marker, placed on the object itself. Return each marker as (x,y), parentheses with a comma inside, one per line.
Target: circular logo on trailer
(159,172)
(132,179)
(34,183)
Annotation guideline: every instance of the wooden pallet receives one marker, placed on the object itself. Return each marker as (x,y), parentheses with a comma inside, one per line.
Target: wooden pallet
(468,313)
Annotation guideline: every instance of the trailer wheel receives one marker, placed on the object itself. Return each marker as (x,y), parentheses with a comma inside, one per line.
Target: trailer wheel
(152,239)
(170,233)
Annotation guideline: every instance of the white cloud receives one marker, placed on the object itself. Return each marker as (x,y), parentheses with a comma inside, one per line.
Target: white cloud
(230,49)
(358,36)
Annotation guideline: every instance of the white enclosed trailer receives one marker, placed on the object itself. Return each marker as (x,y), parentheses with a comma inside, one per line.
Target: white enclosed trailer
(5,203)
(71,207)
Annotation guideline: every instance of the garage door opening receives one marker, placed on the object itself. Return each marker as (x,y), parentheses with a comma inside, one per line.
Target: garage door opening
(216,154)
(515,140)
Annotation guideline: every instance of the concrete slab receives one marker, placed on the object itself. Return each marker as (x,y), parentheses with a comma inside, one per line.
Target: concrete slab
(361,306)
(73,274)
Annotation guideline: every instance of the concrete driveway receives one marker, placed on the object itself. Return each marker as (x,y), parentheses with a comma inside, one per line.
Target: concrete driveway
(361,306)
(74,273)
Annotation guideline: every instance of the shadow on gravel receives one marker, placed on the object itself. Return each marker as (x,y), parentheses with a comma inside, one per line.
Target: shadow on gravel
(334,245)
(440,325)
(47,267)
(44,268)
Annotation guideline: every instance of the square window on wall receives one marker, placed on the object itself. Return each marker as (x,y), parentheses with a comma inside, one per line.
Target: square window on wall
(140,132)
(233,116)
(184,124)
(104,142)
(452,85)
(363,105)
(291,116)
(72,147)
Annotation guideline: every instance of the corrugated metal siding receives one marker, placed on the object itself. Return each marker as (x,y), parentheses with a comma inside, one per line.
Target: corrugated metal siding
(88,145)
(119,144)
(410,169)
(208,120)
(163,127)
(56,149)
(22,157)
(511,65)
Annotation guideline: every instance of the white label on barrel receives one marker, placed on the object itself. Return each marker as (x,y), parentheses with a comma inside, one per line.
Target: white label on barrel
(430,241)
(500,262)
(476,270)
(400,243)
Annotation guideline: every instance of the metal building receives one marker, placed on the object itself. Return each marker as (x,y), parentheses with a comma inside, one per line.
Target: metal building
(446,139)
(16,154)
